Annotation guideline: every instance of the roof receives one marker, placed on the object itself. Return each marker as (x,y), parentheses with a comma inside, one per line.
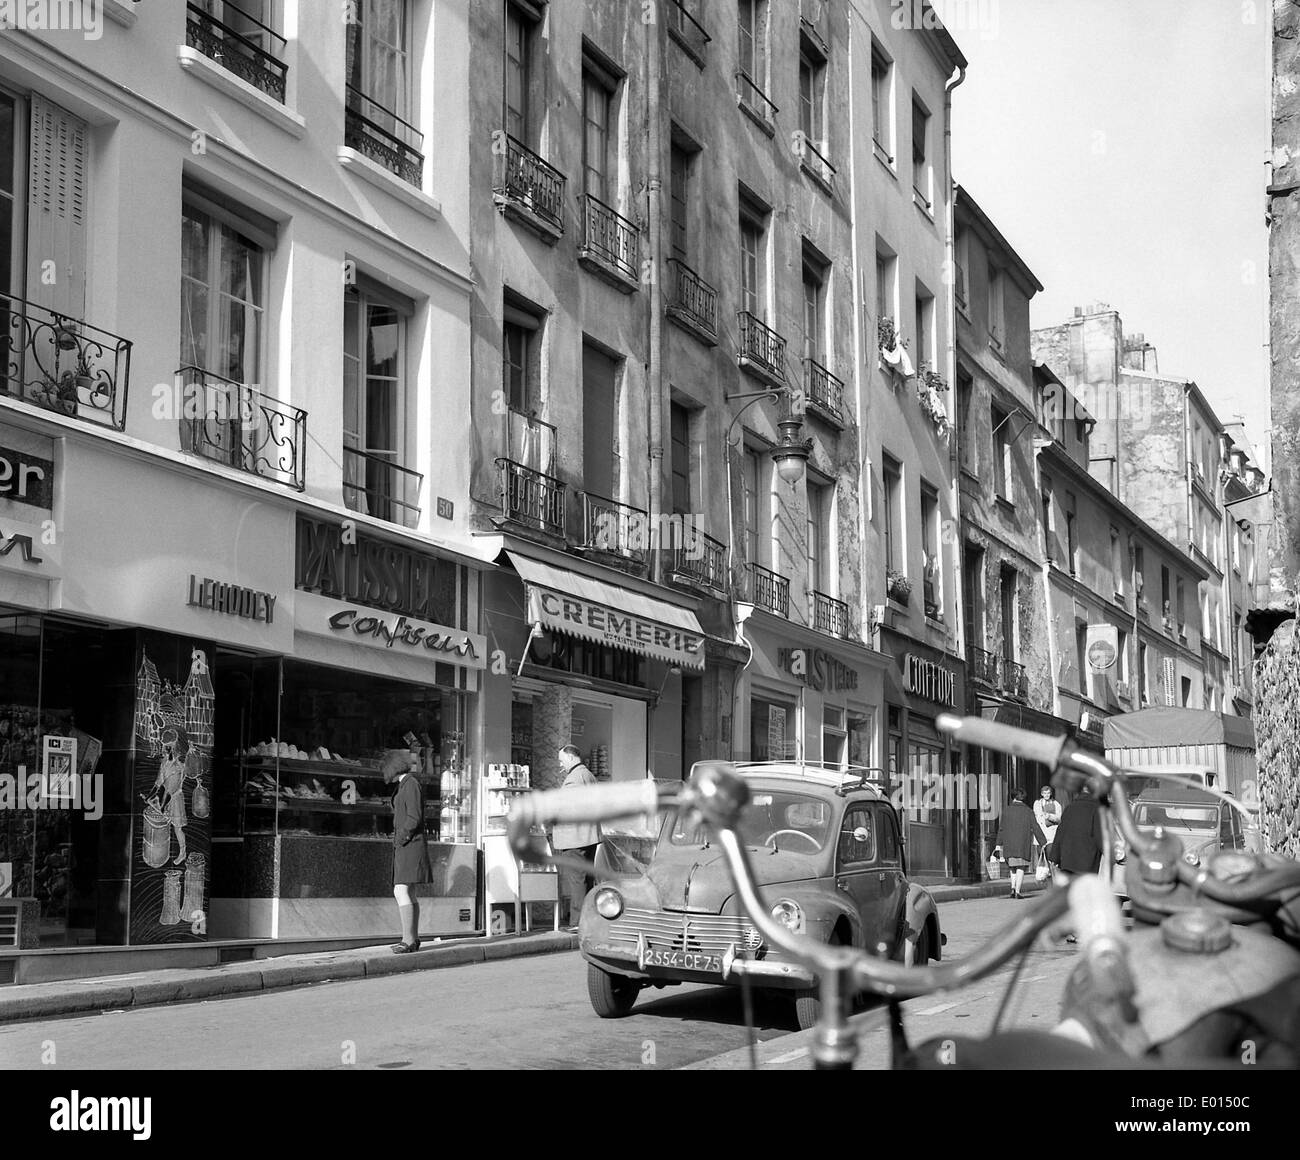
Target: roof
(813,773)
(1171,726)
(968,207)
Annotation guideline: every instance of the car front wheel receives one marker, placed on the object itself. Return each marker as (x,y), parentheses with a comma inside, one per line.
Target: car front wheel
(921,948)
(611,996)
(808,1004)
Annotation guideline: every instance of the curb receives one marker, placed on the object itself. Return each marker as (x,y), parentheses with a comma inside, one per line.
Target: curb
(89,996)
(982,890)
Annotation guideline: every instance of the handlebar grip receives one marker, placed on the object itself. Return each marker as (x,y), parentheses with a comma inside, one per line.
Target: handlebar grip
(1095,910)
(586,803)
(1005,738)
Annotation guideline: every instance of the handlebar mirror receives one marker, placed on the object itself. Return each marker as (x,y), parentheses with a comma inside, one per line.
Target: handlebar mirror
(862,834)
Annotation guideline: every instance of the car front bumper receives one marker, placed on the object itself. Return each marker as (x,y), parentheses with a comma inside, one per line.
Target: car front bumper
(631,961)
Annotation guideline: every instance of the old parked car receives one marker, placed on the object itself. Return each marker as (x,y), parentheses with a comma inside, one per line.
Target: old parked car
(828,858)
(1202,822)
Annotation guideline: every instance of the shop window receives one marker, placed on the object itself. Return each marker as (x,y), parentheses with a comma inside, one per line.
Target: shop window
(834,736)
(771,730)
(861,740)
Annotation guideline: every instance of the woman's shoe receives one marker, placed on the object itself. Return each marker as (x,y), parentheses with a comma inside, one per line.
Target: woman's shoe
(403,948)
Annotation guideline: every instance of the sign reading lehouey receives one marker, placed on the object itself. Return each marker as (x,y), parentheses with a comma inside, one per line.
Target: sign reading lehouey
(616,628)
(232,599)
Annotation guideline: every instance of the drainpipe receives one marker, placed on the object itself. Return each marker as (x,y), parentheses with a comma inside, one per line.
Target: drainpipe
(950,266)
(654,163)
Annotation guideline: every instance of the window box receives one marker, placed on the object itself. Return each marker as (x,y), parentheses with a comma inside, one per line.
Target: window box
(898,587)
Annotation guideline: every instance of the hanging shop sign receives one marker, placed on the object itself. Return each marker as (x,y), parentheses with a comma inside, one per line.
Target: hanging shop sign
(929,681)
(1102,647)
(603,624)
(348,565)
(232,599)
(817,668)
(403,635)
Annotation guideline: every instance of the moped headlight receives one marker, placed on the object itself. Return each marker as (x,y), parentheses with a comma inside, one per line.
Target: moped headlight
(1121,851)
(609,902)
(789,914)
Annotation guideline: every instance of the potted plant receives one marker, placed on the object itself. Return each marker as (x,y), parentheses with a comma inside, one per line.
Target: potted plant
(897,586)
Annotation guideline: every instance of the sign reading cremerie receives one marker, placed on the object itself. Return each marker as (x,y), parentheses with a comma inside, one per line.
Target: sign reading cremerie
(928,680)
(614,627)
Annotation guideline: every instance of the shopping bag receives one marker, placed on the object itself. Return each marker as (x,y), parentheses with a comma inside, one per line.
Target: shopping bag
(1041,868)
(995,867)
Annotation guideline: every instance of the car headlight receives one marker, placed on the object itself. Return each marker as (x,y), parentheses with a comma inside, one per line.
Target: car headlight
(609,902)
(1192,858)
(789,914)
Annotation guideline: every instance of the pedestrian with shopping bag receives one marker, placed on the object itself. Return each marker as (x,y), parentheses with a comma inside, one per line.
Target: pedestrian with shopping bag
(1015,841)
(1047,814)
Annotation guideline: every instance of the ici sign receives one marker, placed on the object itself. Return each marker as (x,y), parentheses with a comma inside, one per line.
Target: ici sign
(929,681)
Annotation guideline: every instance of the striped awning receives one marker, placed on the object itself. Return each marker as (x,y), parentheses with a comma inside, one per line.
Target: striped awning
(566,601)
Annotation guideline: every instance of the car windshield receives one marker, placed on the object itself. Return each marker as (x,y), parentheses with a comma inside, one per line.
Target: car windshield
(786,821)
(1149,814)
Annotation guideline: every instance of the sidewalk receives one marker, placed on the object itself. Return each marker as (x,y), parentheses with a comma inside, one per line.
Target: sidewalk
(145,988)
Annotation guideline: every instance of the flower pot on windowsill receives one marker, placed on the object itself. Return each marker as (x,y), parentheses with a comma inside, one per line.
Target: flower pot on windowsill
(898,587)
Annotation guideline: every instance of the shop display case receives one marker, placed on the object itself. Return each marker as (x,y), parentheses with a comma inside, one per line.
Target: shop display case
(507,881)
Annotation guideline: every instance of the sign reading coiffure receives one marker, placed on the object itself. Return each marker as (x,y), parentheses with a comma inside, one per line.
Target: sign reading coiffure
(929,681)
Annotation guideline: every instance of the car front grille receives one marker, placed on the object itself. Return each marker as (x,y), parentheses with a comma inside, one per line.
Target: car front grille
(710,934)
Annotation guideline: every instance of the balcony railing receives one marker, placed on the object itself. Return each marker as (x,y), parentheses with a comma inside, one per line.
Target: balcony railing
(692,298)
(753,100)
(983,666)
(768,590)
(531,184)
(234,424)
(1014,681)
(617,528)
(823,390)
(702,560)
(254,53)
(69,367)
(376,486)
(829,615)
(381,135)
(814,160)
(532,499)
(686,29)
(761,346)
(610,237)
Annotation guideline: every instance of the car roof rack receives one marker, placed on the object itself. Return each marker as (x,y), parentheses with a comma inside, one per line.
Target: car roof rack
(844,779)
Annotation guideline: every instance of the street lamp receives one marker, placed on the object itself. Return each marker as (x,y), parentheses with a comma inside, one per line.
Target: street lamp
(791,453)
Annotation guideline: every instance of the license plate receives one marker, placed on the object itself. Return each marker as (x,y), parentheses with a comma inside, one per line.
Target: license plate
(683,960)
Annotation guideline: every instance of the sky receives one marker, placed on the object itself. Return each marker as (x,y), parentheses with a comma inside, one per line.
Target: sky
(1120,146)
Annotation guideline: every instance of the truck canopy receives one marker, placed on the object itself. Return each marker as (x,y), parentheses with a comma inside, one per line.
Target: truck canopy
(1159,726)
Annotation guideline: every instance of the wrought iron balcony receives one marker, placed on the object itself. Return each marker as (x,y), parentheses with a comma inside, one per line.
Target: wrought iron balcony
(381,135)
(1015,683)
(376,486)
(702,560)
(528,183)
(531,498)
(616,528)
(254,53)
(768,590)
(692,299)
(822,390)
(829,615)
(686,29)
(814,161)
(983,666)
(761,348)
(234,424)
(609,237)
(66,366)
(755,102)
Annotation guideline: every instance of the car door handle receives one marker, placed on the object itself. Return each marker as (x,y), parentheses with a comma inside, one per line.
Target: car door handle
(883,876)
(841,884)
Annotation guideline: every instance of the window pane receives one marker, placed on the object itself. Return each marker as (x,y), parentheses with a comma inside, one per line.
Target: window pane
(381,352)
(352,426)
(516,93)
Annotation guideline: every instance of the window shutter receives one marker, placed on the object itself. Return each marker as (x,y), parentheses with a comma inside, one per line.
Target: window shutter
(56,214)
(1170,677)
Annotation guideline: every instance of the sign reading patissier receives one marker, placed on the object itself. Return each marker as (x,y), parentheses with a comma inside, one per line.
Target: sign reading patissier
(612,626)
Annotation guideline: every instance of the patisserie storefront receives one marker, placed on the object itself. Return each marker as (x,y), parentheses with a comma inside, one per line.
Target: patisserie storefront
(212,679)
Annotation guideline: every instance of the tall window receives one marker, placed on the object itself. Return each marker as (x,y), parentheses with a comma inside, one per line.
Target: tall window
(1117,561)
(1179,605)
(924,329)
(814,308)
(752,482)
(965,434)
(1000,423)
(518,72)
(1007,588)
(753,261)
(1071,533)
(1081,658)
(892,477)
(1139,575)
(679,176)
(972,578)
(920,147)
(1144,680)
(819,579)
(1166,610)
(374,404)
(880,119)
(812,95)
(378,59)
(996,324)
(752,27)
(222,288)
(1049,525)
(1121,662)
(10,278)
(600,455)
(597,94)
(679,425)
(933,571)
(885,268)
(521,357)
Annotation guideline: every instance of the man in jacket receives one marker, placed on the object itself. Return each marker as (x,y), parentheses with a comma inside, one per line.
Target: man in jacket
(1080,838)
(577,839)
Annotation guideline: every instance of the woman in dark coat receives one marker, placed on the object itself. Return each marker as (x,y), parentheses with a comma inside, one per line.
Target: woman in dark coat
(410,854)
(1016,839)
(1081,838)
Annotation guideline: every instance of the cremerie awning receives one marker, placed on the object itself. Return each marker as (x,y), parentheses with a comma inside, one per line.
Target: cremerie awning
(593,610)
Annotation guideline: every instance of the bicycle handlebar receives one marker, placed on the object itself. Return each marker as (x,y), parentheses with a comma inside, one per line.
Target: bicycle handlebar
(1007,738)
